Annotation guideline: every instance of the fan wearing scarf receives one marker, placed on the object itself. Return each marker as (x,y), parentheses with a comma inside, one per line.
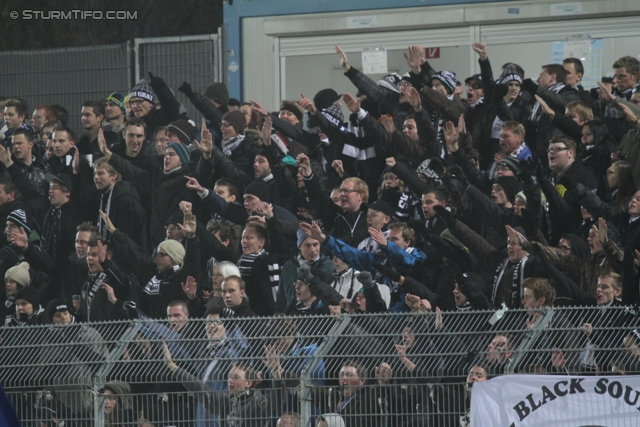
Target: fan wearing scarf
(552,89)
(103,296)
(260,269)
(510,272)
(164,186)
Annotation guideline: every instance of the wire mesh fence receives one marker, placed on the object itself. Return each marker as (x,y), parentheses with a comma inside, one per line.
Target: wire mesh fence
(67,76)
(195,59)
(351,370)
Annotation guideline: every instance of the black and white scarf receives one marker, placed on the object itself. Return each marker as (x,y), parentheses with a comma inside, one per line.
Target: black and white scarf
(245,263)
(517,278)
(438,118)
(536,112)
(50,231)
(229,145)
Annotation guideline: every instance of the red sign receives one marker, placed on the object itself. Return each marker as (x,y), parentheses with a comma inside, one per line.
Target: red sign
(431,52)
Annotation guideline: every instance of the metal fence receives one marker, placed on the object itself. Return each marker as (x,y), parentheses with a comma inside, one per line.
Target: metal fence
(195,59)
(67,76)
(70,76)
(371,370)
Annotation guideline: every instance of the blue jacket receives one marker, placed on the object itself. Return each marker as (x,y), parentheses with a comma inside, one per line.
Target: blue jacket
(402,260)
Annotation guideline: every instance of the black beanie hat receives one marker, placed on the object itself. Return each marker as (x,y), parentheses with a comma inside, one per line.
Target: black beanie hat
(260,189)
(55,306)
(218,92)
(325,98)
(184,130)
(382,206)
(293,107)
(236,119)
(510,185)
(30,294)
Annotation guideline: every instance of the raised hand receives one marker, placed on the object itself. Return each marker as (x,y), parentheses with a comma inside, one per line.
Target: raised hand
(601,230)
(5,156)
(451,137)
(545,107)
(255,105)
(190,287)
(383,373)
(343,58)
(167,357)
(387,123)
(265,209)
(514,236)
(189,224)
(304,164)
(102,252)
(20,238)
(390,161)
(629,114)
(414,58)
(206,141)
(413,97)
(110,293)
(307,104)
(413,301)
(378,236)
(186,206)
(102,144)
(605,93)
(480,49)
(107,222)
(337,165)
(76,162)
(265,131)
(193,184)
(462,125)
(313,230)
(353,104)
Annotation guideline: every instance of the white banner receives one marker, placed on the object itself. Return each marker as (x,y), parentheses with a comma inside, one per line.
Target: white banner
(556,401)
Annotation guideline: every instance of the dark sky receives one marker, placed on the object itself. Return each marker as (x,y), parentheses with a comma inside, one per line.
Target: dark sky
(153,18)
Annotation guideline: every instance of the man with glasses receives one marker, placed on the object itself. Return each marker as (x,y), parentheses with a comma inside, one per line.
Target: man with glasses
(143,106)
(346,221)
(563,204)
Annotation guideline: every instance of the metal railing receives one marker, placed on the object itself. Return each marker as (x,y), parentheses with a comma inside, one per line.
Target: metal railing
(372,370)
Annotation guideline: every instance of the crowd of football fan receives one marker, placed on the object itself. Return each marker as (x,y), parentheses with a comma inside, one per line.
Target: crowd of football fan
(518,193)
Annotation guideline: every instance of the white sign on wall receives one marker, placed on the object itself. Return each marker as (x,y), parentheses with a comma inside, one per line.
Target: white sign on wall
(374,60)
(589,51)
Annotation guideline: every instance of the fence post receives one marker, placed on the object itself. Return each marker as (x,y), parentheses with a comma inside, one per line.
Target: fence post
(101,375)
(531,338)
(304,391)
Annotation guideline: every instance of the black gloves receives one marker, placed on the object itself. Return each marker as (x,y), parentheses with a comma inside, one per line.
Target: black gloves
(186,89)
(530,86)
(155,82)
(526,169)
(388,271)
(446,216)
(304,273)
(366,279)
(499,92)
(540,174)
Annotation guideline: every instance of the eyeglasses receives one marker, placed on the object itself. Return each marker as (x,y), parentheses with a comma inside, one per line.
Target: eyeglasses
(346,191)
(556,149)
(161,254)
(475,86)
(225,124)
(136,102)
(390,178)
